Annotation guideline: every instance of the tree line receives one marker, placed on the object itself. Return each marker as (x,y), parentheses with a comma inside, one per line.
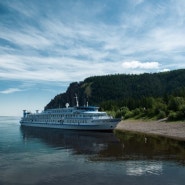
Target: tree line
(148,95)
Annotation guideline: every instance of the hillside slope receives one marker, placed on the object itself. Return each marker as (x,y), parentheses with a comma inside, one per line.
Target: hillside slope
(122,88)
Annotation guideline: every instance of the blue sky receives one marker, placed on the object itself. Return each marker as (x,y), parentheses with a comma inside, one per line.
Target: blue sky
(47,44)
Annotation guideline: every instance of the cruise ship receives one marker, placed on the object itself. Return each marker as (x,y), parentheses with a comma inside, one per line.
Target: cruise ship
(73,118)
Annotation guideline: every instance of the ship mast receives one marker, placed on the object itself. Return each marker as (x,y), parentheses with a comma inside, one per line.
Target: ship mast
(76,97)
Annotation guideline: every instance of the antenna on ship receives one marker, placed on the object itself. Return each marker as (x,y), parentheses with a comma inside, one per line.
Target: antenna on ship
(76,97)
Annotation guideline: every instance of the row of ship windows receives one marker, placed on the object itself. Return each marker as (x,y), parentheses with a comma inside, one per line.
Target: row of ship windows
(67,116)
(76,121)
(59,121)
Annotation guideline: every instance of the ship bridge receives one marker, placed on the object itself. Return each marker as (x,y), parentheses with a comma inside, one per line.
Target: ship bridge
(89,108)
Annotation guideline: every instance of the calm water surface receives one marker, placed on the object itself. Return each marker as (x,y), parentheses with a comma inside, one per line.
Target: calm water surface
(46,156)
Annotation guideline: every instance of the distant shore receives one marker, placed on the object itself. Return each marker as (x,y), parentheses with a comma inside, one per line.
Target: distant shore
(175,130)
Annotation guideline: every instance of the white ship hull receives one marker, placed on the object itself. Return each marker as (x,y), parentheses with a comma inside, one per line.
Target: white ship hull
(97,126)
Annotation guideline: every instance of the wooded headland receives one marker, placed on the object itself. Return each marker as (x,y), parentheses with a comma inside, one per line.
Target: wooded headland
(147,96)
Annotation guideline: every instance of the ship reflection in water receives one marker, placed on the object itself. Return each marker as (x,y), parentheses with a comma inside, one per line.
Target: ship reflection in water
(109,146)
(80,142)
(107,158)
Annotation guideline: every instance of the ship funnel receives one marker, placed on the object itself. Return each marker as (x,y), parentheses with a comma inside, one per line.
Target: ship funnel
(24,113)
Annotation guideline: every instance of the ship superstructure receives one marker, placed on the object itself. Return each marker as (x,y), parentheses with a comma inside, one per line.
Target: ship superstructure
(78,117)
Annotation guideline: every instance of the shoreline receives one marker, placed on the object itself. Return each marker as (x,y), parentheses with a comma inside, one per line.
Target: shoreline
(173,130)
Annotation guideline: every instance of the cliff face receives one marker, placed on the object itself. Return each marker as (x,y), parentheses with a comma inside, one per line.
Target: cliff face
(121,87)
(68,97)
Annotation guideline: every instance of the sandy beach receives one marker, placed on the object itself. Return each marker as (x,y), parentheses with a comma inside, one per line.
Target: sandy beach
(175,130)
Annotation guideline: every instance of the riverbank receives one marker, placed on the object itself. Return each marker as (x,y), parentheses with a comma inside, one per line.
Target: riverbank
(175,130)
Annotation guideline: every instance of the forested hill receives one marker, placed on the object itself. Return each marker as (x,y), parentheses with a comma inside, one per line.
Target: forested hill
(113,92)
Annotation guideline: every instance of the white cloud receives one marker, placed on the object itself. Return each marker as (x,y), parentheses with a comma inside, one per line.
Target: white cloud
(59,69)
(10,90)
(140,65)
(137,2)
(26,37)
(164,70)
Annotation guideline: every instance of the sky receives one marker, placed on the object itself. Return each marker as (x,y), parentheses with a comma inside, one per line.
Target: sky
(47,44)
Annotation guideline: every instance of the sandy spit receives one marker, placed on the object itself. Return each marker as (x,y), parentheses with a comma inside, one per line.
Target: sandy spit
(175,130)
